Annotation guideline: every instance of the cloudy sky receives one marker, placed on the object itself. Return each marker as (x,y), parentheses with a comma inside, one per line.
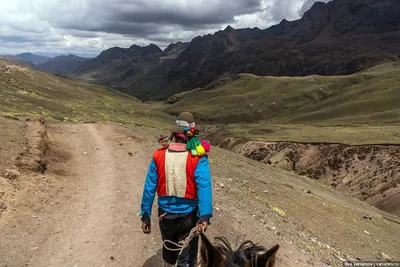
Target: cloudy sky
(90,26)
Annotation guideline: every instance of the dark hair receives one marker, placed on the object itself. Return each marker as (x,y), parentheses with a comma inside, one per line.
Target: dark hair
(245,252)
(222,254)
(179,138)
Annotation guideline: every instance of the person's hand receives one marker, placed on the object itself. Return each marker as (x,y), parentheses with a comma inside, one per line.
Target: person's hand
(201,227)
(146,227)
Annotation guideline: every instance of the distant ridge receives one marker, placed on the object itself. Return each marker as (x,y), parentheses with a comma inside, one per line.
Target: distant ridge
(35,59)
(79,54)
(335,38)
(62,64)
(18,60)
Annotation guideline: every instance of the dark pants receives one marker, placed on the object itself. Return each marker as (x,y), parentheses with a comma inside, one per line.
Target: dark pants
(176,227)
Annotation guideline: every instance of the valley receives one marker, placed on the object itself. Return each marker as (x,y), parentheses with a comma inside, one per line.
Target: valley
(323,127)
(63,99)
(370,97)
(303,118)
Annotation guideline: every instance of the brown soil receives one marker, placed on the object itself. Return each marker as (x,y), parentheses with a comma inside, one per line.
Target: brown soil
(23,145)
(368,172)
(13,142)
(33,158)
(83,210)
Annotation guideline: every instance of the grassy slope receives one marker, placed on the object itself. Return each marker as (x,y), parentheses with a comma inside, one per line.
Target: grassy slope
(348,109)
(24,90)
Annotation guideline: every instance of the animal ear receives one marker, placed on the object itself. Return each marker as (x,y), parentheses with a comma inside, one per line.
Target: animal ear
(268,258)
(209,255)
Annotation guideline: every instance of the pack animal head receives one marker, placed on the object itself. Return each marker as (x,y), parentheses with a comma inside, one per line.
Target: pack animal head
(222,255)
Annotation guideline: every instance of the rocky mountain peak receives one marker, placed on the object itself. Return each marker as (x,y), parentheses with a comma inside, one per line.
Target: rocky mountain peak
(229,29)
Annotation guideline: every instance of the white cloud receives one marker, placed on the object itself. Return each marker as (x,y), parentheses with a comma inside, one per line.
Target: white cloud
(95,25)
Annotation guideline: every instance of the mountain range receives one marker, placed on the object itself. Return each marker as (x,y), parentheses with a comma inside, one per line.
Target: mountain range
(35,59)
(26,59)
(17,59)
(62,64)
(54,54)
(52,62)
(335,38)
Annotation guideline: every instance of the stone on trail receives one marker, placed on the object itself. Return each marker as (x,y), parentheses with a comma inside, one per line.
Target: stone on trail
(383,256)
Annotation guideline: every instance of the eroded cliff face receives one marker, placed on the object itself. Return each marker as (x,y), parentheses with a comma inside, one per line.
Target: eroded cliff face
(368,172)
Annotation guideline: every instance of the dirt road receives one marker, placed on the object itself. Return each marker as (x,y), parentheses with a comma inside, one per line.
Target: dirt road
(94,219)
(83,211)
(98,222)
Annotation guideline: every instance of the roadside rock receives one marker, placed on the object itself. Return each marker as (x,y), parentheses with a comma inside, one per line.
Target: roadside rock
(3,206)
(383,256)
(12,174)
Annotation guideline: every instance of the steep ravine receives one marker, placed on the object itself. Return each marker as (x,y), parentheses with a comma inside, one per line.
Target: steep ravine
(368,172)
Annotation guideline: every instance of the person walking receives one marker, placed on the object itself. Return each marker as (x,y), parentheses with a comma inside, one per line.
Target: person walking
(180,175)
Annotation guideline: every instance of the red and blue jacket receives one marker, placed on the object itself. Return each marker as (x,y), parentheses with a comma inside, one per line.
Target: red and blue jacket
(182,183)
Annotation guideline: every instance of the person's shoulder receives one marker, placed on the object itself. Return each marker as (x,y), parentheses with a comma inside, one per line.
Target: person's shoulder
(159,151)
(203,158)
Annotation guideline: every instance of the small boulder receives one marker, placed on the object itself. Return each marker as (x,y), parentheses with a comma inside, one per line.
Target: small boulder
(367,217)
(3,206)
(12,174)
(383,256)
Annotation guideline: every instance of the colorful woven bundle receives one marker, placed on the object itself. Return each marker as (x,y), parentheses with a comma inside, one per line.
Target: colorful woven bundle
(195,147)
(164,140)
(194,144)
(206,145)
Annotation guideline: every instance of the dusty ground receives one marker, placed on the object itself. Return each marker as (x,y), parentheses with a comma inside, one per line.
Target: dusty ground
(13,142)
(83,210)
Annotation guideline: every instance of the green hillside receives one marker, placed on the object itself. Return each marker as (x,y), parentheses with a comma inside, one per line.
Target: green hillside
(25,90)
(281,107)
